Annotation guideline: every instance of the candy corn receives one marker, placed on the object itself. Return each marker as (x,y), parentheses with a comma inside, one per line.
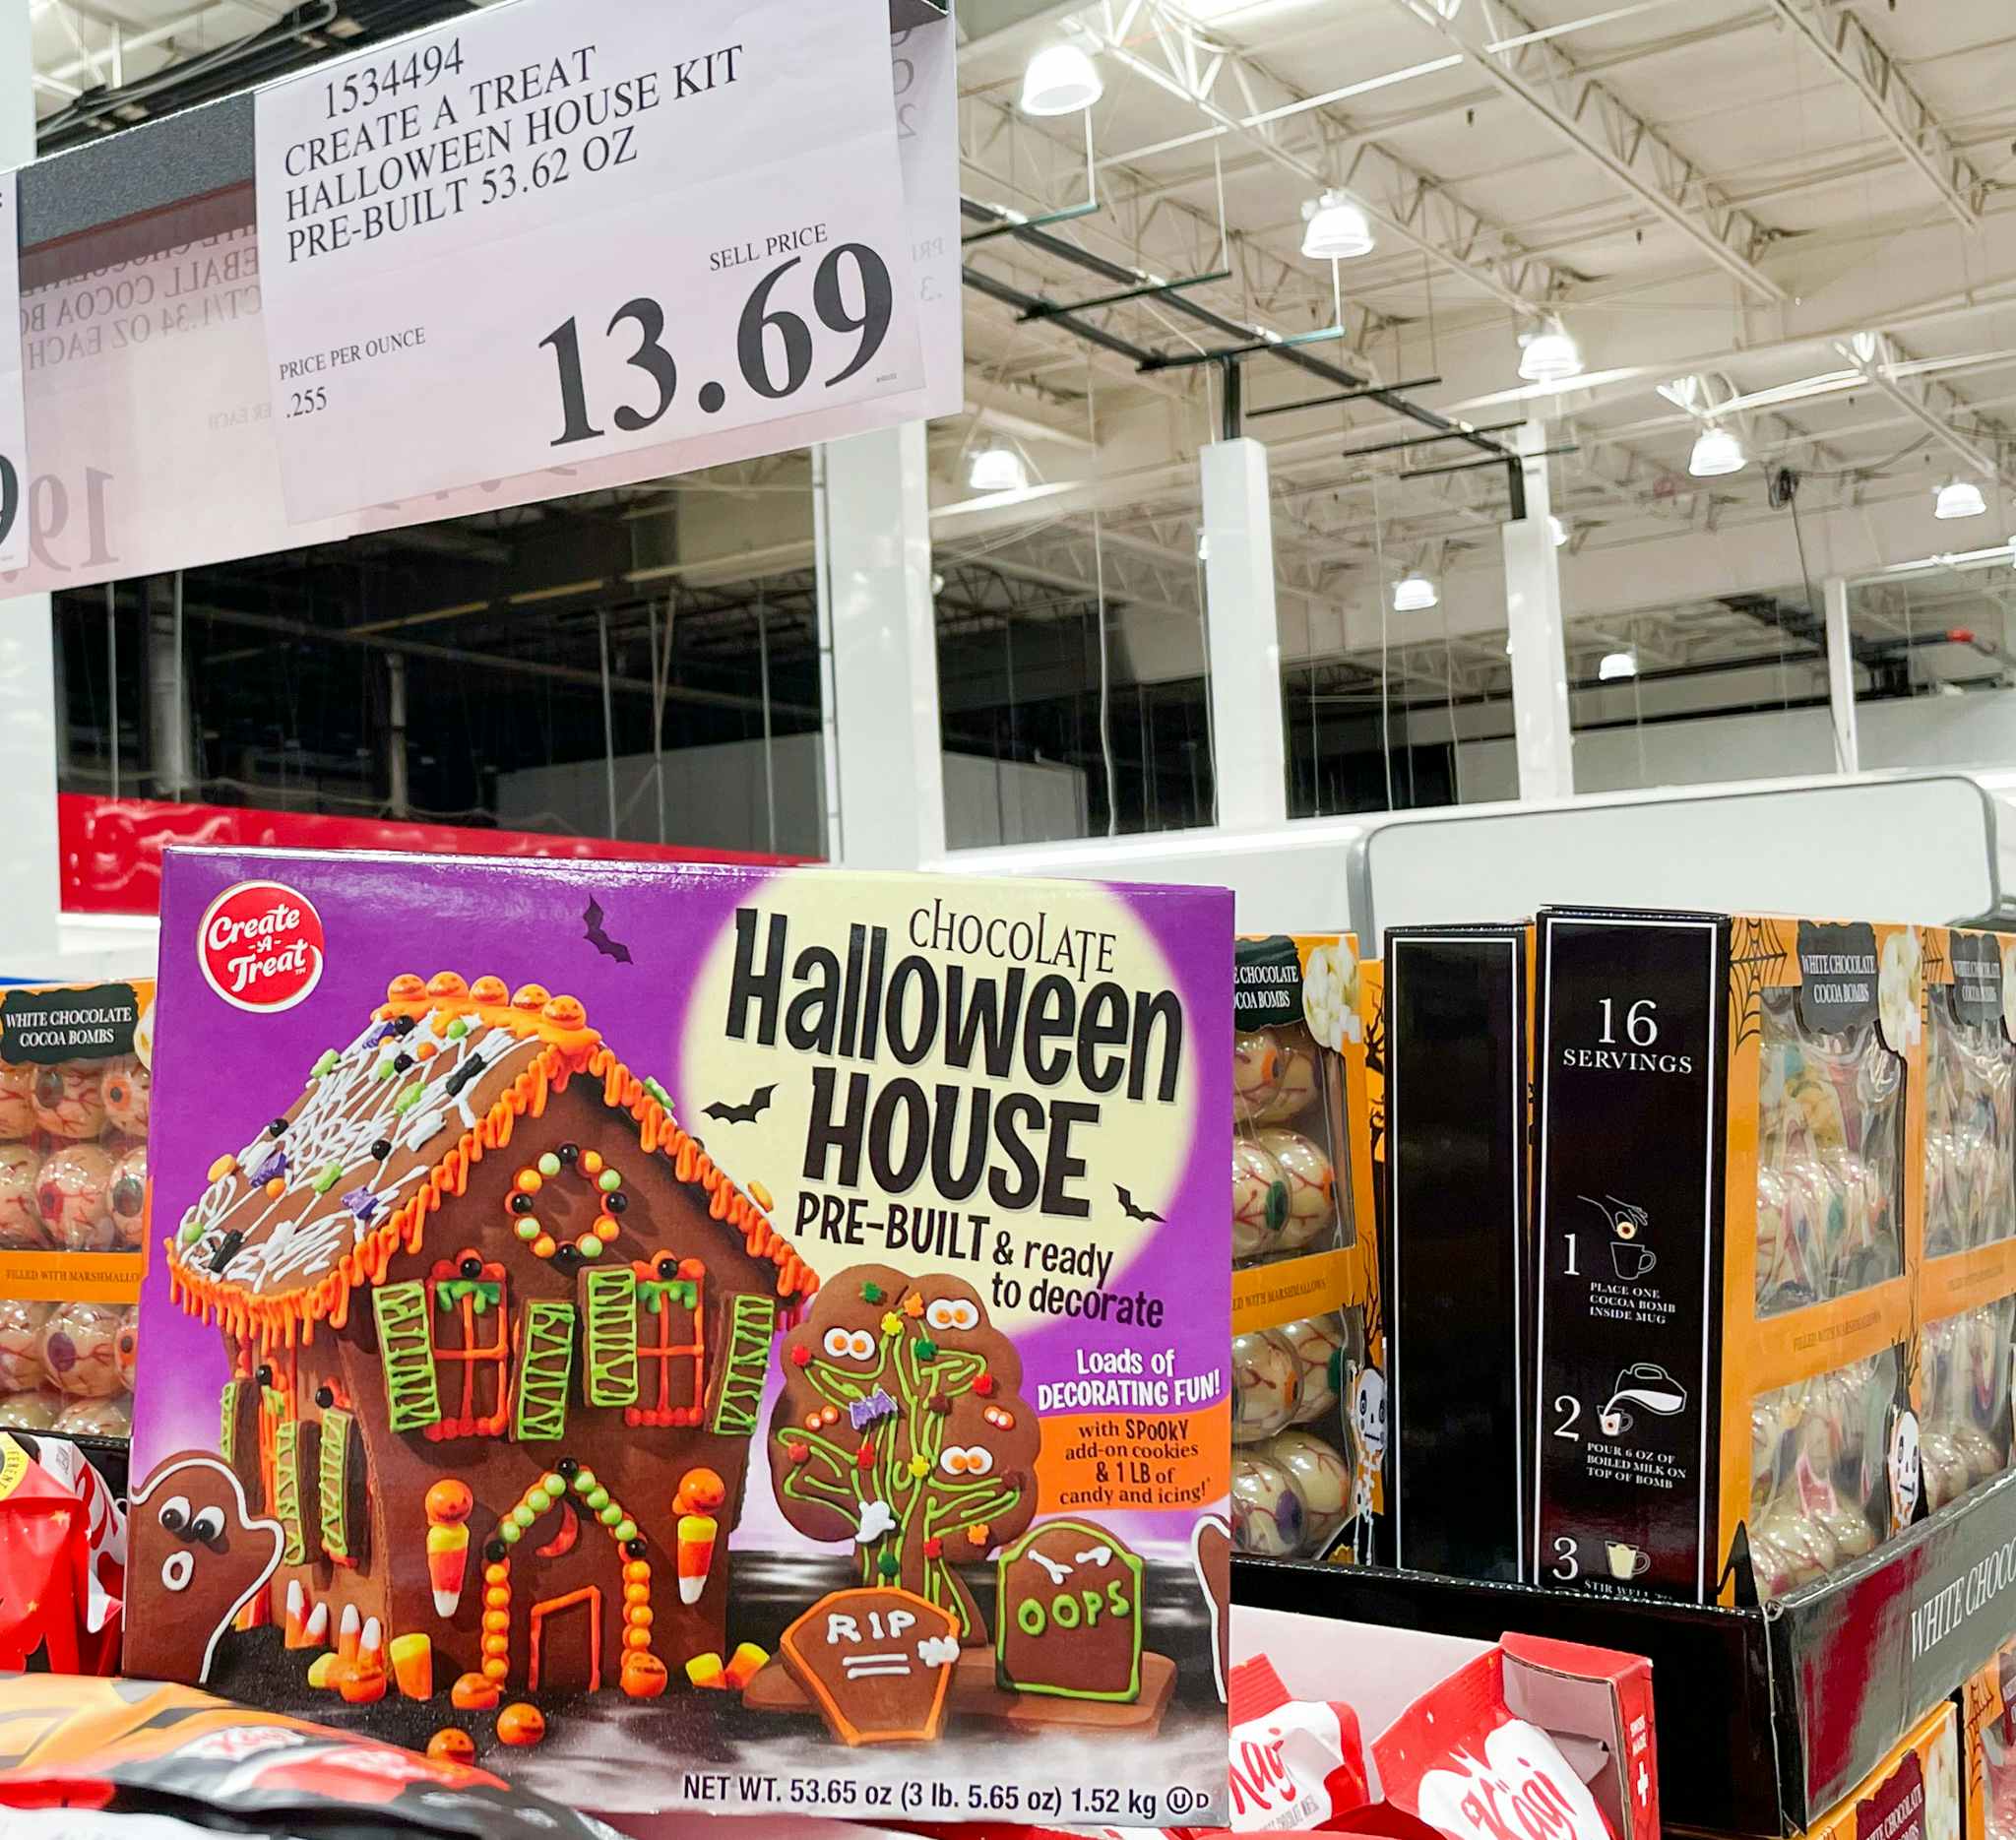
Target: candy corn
(705,1670)
(321,1671)
(449,1503)
(371,1646)
(315,1633)
(697,1534)
(412,1666)
(744,1665)
(298,1606)
(347,1635)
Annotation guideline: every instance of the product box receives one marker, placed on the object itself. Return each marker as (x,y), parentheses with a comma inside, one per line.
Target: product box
(75,1087)
(1439,1733)
(716,1336)
(1731,1100)
(1914,1794)
(1458,1269)
(1309,1406)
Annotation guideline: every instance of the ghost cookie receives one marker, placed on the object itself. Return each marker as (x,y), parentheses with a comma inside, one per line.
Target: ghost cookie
(1210,1552)
(190,1526)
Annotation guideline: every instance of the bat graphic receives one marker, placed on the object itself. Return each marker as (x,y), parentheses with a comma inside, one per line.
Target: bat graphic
(759,1104)
(1132,1212)
(600,939)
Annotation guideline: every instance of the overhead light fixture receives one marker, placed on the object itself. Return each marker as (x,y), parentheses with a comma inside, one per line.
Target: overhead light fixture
(937,584)
(1617,665)
(1414,595)
(998,470)
(1060,81)
(1547,354)
(1338,230)
(1557,531)
(1718,451)
(1959,498)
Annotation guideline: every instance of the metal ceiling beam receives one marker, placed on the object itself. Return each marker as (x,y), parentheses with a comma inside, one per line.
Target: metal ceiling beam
(1249,101)
(1852,52)
(1598,125)
(1933,405)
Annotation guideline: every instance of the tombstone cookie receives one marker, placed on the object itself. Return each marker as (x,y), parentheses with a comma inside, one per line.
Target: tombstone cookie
(1069,1615)
(875,1663)
(191,1529)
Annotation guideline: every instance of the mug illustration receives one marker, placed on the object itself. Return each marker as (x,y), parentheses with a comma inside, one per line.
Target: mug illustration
(1633,1262)
(1646,1384)
(1626,1562)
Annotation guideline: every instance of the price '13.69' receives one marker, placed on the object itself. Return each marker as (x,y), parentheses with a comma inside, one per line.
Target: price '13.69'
(765,333)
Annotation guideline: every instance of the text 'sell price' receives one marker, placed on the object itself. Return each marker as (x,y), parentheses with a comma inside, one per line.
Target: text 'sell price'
(774,346)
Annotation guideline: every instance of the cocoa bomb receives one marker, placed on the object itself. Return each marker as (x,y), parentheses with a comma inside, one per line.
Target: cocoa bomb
(69,1100)
(1260,1197)
(21,1217)
(1266,1385)
(81,1350)
(74,1196)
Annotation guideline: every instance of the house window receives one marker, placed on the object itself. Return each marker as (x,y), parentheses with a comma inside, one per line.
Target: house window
(671,1343)
(468,1316)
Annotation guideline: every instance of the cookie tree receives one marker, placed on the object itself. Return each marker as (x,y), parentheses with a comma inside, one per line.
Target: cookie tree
(900,1428)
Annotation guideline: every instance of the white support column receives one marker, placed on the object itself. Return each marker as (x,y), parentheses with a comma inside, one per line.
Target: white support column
(1533,621)
(1848,753)
(880,631)
(29,935)
(1249,751)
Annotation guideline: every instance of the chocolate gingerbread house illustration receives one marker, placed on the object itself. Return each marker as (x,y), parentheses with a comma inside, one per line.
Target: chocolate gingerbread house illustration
(498,1330)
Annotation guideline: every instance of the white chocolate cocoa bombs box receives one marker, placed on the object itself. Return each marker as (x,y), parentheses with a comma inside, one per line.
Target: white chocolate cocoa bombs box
(1458,1267)
(1728,1214)
(1308,1413)
(715,1338)
(75,1088)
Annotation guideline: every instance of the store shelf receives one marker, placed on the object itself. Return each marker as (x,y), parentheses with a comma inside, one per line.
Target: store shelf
(1772,1716)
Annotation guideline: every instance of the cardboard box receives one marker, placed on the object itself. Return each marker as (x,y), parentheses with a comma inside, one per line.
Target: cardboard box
(1724,1106)
(1595,1703)
(1308,1409)
(1914,1794)
(707,1316)
(1458,1272)
(75,1087)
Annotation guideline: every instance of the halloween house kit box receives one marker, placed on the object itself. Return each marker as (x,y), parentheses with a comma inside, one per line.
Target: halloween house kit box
(715,1338)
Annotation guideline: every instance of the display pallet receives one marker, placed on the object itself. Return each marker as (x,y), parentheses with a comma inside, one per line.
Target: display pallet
(1767,1718)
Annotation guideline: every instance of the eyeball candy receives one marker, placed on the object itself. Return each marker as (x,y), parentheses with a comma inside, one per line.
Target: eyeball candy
(21,1216)
(69,1100)
(1807,1547)
(1267,1385)
(1267,1513)
(28,1411)
(74,1194)
(1944,1466)
(1259,1200)
(1318,1342)
(128,1088)
(128,1196)
(1322,1479)
(126,1347)
(95,1418)
(1296,1085)
(1256,1067)
(22,1322)
(17,1101)
(1311,1208)
(81,1350)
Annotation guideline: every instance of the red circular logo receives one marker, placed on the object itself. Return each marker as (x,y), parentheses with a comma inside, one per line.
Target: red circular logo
(261,946)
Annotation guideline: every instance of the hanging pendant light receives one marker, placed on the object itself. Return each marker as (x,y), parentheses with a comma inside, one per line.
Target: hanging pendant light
(1959,498)
(1416,594)
(1718,451)
(998,470)
(1060,81)
(1338,230)
(1557,531)
(1547,354)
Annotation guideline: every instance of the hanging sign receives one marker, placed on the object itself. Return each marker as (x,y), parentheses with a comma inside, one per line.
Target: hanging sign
(555,234)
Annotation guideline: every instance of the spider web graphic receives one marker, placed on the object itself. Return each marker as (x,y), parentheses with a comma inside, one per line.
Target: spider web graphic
(1759,948)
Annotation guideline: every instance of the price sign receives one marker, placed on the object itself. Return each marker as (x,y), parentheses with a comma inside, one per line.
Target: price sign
(552,234)
(13,403)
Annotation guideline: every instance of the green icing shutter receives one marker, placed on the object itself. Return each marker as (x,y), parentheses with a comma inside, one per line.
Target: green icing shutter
(751,1319)
(545,1367)
(406,1347)
(611,1375)
(294,1477)
(232,1404)
(333,1478)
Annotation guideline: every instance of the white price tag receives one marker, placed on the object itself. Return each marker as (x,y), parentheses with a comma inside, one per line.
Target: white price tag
(552,234)
(13,402)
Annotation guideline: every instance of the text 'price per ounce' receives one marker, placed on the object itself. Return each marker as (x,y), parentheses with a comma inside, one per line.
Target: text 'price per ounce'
(776,347)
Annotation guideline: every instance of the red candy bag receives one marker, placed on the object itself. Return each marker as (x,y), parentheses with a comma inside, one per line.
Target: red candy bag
(1296,1764)
(1462,1761)
(62,1559)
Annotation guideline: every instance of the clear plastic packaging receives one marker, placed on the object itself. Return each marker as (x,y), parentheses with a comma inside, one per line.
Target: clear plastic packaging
(1830,1160)
(1969,1128)
(1964,1423)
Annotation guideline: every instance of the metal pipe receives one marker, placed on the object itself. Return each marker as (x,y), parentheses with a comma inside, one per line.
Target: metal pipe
(602,622)
(1343,396)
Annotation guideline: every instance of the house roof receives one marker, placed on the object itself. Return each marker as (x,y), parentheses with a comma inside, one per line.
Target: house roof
(324,1196)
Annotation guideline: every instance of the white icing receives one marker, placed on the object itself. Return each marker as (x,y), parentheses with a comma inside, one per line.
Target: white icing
(346,1110)
(1058,1570)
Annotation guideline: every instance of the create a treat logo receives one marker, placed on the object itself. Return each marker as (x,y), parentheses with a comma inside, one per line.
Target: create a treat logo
(1003,1088)
(260,946)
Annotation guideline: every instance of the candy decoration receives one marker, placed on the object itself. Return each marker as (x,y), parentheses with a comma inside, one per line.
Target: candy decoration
(644,1675)
(448,1504)
(698,1530)
(474,1693)
(452,1745)
(322,1672)
(412,1666)
(706,1670)
(315,1633)
(295,1614)
(744,1665)
(350,1635)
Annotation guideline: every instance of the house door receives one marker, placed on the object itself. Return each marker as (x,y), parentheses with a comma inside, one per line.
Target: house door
(566,1643)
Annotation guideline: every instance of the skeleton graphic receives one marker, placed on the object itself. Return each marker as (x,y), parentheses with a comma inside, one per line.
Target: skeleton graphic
(1368,1447)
